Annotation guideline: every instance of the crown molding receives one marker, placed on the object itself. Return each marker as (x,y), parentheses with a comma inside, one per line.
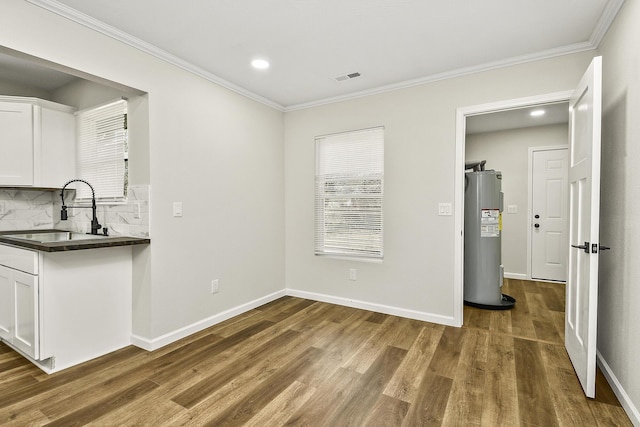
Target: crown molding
(611,10)
(606,19)
(551,53)
(99,26)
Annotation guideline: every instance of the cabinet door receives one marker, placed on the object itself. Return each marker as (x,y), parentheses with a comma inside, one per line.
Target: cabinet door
(55,151)
(16,140)
(6,304)
(26,336)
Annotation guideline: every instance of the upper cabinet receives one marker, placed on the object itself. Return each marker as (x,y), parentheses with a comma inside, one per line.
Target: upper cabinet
(38,142)
(16,139)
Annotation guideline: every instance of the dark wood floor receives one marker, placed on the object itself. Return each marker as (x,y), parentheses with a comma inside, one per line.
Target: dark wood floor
(303,363)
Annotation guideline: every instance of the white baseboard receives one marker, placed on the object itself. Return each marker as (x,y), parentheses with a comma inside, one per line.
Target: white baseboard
(518,276)
(156,343)
(161,341)
(621,394)
(379,308)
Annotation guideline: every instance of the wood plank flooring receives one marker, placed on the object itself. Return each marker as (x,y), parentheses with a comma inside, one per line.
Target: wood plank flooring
(295,362)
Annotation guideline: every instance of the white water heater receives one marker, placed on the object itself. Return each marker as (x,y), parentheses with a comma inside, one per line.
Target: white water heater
(483,270)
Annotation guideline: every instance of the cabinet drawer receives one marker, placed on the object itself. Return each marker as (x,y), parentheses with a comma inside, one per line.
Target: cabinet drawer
(19,259)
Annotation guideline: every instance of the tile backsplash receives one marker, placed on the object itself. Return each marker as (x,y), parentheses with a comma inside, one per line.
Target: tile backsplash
(32,210)
(25,210)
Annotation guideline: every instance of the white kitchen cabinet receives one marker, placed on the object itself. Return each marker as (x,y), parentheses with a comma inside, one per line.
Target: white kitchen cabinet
(60,309)
(16,139)
(19,316)
(26,314)
(38,142)
(6,304)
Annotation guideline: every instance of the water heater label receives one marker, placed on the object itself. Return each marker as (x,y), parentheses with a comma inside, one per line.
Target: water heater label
(490,223)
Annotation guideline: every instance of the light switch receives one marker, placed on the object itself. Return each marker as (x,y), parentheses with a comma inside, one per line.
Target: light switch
(177,208)
(512,209)
(444,209)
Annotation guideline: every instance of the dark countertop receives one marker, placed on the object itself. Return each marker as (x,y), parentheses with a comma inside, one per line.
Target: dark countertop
(73,245)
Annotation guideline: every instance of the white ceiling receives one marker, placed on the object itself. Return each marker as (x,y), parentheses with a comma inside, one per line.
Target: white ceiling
(392,43)
(16,69)
(518,118)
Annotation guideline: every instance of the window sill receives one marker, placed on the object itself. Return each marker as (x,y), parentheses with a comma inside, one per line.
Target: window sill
(351,258)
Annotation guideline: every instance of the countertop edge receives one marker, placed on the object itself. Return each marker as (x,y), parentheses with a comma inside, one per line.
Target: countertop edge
(102,242)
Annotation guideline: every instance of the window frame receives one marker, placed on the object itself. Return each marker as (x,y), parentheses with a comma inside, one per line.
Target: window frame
(104,167)
(349,195)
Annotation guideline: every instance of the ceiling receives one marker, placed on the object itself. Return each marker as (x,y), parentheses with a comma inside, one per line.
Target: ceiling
(517,118)
(391,43)
(26,72)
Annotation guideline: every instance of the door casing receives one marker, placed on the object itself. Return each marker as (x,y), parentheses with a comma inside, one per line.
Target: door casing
(461,119)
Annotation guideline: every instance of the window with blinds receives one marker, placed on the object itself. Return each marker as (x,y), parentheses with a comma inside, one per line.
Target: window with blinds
(349,191)
(102,151)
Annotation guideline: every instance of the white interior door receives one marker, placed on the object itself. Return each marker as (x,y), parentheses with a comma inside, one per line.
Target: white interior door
(549,212)
(585,108)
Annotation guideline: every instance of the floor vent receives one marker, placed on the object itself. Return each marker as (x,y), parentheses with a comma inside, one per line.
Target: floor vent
(349,76)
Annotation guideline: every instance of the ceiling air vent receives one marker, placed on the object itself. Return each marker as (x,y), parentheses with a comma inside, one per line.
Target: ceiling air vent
(344,77)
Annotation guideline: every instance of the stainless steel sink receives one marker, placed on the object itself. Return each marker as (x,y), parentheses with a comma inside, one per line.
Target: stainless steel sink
(56,236)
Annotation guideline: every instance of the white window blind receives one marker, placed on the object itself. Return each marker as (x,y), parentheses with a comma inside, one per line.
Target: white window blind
(102,149)
(349,194)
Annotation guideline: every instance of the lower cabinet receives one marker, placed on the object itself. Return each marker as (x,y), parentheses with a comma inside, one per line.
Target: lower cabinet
(6,304)
(19,323)
(26,314)
(63,308)
(19,309)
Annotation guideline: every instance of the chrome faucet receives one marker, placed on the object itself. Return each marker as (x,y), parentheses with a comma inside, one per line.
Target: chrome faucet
(95,226)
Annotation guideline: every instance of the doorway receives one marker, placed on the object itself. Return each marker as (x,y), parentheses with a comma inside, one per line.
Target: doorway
(529,147)
(462,116)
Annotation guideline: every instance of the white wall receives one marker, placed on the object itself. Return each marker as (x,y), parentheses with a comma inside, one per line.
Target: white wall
(508,152)
(217,152)
(619,296)
(222,156)
(417,272)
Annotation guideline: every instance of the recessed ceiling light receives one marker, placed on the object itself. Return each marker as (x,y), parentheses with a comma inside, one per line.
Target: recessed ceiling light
(260,64)
(537,113)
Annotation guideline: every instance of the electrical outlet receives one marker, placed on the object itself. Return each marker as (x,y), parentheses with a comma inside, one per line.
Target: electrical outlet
(215,286)
(353,274)
(444,209)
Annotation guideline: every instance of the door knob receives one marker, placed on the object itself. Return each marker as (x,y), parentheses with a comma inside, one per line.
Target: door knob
(536,225)
(537,216)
